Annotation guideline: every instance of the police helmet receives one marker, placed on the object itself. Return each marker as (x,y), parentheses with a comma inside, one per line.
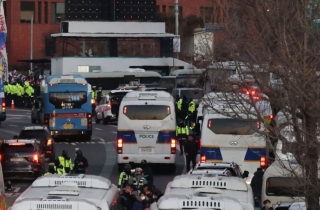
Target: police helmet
(127,167)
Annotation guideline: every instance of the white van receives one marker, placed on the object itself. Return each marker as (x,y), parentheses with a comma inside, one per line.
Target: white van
(291,206)
(234,187)
(146,129)
(280,184)
(74,191)
(199,201)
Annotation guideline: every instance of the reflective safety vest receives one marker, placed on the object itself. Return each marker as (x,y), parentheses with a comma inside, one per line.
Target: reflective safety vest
(123,179)
(182,130)
(66,163)
(179,104)
(192,107)
(137,183)
(92,94)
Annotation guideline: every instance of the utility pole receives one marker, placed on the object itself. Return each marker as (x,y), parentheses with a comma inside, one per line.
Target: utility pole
(176,12)
(31,42)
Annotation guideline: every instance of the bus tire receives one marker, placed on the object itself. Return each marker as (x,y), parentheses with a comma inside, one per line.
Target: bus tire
(105,121)
(120,167)
(33,121)
(87,137)
(172,168)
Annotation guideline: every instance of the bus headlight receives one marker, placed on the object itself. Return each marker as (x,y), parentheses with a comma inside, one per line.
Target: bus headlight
(84,122)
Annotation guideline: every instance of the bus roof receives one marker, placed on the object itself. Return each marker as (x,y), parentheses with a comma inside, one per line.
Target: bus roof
(119,74)
(209,180)
(80,186)
(179,72)
(148,95)
(66,79)
(197,201)
(53,202)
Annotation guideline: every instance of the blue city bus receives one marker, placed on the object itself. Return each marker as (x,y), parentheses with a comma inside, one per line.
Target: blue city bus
(66,106)
(3,115)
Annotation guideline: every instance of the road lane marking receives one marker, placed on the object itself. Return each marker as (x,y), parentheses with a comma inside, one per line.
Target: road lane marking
(111,160)
(13,125)
(17,190)
(113,132)
(7,131)
(98,129)
(73,143)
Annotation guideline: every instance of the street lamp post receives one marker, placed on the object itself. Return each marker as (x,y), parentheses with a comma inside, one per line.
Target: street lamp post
(176,12)
(31,42)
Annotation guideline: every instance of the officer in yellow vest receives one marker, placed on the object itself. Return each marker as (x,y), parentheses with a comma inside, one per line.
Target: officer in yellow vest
(65,162)
(52,169)
(191,110)
(182,131)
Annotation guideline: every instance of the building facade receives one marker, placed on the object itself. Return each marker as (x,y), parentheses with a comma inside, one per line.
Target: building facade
(47,14)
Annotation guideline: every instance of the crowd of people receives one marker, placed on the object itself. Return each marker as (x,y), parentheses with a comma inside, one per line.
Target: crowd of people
(136,187)
(63,164)
(21,89)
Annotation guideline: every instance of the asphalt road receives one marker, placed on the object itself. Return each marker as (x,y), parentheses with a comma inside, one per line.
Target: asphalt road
(100,152)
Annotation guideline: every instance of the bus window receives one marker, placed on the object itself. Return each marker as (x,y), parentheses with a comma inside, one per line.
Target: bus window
(194,94)
(284,186)
(232,126)
(68,100)
(146,112)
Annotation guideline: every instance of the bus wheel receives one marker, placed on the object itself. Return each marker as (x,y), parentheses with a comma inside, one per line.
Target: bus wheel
(33,121)
(105,121)
(172,168)
(120,167)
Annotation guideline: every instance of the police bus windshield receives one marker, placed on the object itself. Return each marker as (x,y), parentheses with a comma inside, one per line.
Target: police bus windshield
(68,100)
(146,112)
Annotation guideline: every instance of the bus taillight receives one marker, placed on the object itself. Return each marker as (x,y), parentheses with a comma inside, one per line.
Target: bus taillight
(173,146)
(3,105)
(89,120)
(119,146)
(46,120)
(203,159)
(263,162)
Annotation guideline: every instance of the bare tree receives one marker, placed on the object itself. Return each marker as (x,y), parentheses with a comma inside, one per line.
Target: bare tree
(277,44)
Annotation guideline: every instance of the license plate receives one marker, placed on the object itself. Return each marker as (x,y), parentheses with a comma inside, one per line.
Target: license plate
(68,126)
(146,149)
(17,159)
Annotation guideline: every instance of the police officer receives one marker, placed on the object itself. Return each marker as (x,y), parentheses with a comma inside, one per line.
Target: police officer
(80,163)
(182,131)
(65,161)
(138,180)
(179,107)
(99,95)
(124,176)
(29,93)
(191,110)
(184,108)
(51,169)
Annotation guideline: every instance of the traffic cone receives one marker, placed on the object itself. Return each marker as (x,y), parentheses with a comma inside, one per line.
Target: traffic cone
(12,104)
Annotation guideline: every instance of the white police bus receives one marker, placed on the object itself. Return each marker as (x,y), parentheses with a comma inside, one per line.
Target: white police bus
(146,129)
(230,133)
(69,191)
